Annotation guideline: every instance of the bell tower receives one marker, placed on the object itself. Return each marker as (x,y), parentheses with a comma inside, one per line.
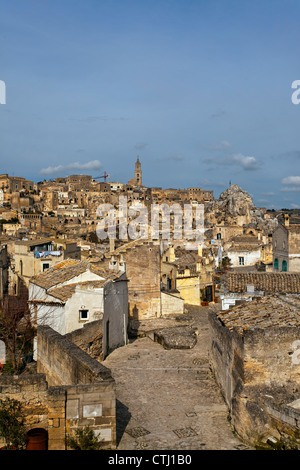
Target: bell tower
(138,172)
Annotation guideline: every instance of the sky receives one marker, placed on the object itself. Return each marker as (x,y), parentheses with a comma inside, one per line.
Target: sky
(201,90)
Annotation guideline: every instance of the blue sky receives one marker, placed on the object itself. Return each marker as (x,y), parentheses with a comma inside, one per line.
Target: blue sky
(200,90)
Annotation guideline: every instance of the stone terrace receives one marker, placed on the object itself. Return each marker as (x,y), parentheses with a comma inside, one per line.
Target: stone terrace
(167,398)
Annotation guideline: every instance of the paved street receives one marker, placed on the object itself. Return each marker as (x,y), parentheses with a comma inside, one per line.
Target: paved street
(168,399)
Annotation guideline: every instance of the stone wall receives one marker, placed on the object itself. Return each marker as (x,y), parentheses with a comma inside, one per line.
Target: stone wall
(226,359)
(64,363)
(41,407)
(258,376)
(70,390)
(143,265)
(171,304)
(89,338)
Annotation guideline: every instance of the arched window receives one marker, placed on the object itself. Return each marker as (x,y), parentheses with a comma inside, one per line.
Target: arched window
(284,265)
(276,263)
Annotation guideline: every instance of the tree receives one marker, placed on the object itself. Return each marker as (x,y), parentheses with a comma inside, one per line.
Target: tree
(12,427)
(226,263)
(83,439)
(15,325)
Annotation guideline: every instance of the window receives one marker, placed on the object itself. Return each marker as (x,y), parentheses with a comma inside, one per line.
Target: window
(219,236)
(241,260)
(45,266)
(284,265)
(83,314)
(276,263)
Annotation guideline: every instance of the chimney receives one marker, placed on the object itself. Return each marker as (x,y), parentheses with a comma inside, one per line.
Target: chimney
(286,220)
(112,245)
(171,254)
(200,251)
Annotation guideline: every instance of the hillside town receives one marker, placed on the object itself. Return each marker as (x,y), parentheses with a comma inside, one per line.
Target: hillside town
(114,317)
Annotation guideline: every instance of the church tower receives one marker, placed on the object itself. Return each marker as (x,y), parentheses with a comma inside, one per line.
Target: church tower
(138,173)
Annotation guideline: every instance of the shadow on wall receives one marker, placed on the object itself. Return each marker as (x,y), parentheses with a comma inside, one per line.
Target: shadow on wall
(135,313)
(122,418)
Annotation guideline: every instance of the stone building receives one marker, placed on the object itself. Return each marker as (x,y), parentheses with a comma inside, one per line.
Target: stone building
(4,270)
(79,182)
(286,247)
(32,221)
(10,184)
(244,286)
(254,357)
(70,390)
(32,257)
(142,262)
(137,181)
(73,293)
(190,272)
(244,251)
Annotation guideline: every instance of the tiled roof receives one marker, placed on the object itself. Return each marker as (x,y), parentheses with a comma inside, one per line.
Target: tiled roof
(271,311)
(35,242)
(244,247)
(269,283)
(65,292)
(65,271)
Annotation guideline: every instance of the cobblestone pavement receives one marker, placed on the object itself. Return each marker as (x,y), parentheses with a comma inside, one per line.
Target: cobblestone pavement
(168,399)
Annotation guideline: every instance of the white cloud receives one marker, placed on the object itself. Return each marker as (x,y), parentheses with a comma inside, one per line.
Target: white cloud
(224,145)
(290,188)
(291,180)
(92,165)
(248,163)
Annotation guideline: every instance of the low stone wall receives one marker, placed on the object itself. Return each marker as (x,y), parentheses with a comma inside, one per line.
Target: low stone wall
(70,390)
(258,380)
(64,363)
(226,358)
(171,304)
(89,339)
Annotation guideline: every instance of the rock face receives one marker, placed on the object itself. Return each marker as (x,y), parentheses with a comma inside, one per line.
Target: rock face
(235,207)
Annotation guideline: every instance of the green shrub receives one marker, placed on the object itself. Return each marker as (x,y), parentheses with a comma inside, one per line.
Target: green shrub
(12,428)
(83,439)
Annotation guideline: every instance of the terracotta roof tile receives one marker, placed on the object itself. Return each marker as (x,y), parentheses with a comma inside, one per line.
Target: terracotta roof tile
(266,312)
(65,292)
(65,271)
(269,283)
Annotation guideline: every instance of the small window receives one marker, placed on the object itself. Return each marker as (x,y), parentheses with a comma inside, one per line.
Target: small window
(219,236)
(284,266)
(276,263)
(45,266)
(83,314)
(241,260)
